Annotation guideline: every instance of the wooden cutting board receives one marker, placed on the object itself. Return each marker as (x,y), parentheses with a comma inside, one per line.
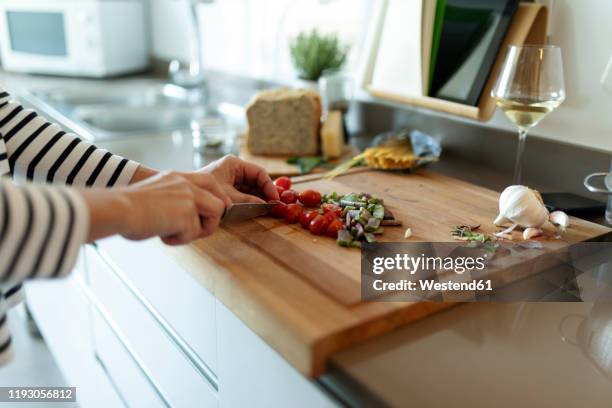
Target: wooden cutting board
(277,166)
(301,293)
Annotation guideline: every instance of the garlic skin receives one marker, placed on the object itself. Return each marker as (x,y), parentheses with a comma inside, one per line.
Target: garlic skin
(522,206)
(559,218)
(532,233)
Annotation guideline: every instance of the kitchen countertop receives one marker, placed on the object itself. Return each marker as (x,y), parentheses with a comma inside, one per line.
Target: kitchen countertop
(501,354)
(487,354)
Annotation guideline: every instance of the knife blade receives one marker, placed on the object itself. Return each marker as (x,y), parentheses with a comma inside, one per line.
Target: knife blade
(245,211)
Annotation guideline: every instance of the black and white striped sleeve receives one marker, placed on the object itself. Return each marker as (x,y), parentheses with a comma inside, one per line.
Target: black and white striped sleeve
(41,151)
(41,230)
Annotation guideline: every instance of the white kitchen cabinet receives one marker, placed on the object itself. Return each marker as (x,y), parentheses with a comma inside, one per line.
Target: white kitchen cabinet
(63,316)
(130,345)
(170,370)
(181,302)
(254,375)
(131,382)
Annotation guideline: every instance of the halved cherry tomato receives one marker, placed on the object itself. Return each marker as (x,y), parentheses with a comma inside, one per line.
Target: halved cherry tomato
(280,190)
(333,228)
(279,210)
(289,197)
(307,217)
(293,213)
(319,224)
(284,182)
(332,208)
(330,216)
(310,198)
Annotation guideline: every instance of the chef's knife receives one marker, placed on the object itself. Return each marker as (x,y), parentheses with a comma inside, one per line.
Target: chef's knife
(245,211)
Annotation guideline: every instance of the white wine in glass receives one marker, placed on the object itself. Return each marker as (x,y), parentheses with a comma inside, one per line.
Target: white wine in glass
(530,86)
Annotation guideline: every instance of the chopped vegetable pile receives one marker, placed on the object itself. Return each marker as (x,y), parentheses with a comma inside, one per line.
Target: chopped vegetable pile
(351,219)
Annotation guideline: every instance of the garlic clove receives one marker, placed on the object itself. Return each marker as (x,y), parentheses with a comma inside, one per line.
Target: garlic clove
(531,233)
(559,218)
(408,233)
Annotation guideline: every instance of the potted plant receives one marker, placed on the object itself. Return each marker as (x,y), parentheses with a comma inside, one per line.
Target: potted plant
(312,53)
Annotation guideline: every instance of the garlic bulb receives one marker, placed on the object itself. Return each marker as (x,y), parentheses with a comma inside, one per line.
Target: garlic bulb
(522,206)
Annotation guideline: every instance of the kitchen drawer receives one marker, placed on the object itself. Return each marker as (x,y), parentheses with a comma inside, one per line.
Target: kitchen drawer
(169,365)
(171,291)
(130,380)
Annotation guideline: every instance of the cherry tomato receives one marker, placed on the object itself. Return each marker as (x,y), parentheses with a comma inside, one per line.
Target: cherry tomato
(284,182)
(280,190)
(279,210)
(293,213)
(319,225)
(307,217)
(310,198)
(333,228)
(330,216)
(332,208)
(289,197)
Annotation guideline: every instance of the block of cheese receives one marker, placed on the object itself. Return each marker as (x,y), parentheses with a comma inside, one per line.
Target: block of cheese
(284,122)
(332,135)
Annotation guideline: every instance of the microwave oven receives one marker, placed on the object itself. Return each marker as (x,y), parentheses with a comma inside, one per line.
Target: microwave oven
(88,38)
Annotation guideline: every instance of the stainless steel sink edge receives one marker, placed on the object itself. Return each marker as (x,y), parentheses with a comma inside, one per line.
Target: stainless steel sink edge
(171,114)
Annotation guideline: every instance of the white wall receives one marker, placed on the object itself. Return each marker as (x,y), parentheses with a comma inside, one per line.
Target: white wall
(251,37)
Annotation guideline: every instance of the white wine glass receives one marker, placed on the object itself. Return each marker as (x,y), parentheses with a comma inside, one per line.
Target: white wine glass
(530,85)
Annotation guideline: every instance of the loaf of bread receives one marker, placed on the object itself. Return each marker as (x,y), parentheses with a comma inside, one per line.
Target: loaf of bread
(284,122)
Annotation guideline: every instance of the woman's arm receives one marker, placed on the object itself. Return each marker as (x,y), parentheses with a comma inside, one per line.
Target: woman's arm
(42,227)
(37,149)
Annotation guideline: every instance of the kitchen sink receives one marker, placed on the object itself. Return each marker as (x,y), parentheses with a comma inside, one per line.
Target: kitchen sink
(113,111)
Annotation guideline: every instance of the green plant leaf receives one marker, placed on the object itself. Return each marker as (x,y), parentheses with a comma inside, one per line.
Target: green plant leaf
(312,53)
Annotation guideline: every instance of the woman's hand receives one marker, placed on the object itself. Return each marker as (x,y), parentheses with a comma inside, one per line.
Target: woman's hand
(243,182)
(166,205)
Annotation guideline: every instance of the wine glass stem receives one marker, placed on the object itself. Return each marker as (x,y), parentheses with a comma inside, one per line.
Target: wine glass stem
(518,165)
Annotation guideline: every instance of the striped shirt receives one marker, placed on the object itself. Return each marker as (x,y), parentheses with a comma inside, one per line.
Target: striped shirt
(42,226)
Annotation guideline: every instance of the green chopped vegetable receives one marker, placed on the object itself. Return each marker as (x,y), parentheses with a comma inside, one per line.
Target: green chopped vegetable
(350,197)
(354,213)
(307,164)
(333,198)
(346,209)
(372,225)
(369,237)
(355,244)
(344,238)
(379,231)
(352,203)
(379,212)
(364,216)
(466,233)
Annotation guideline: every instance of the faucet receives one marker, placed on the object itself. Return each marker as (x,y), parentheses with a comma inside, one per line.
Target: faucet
(189,82)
